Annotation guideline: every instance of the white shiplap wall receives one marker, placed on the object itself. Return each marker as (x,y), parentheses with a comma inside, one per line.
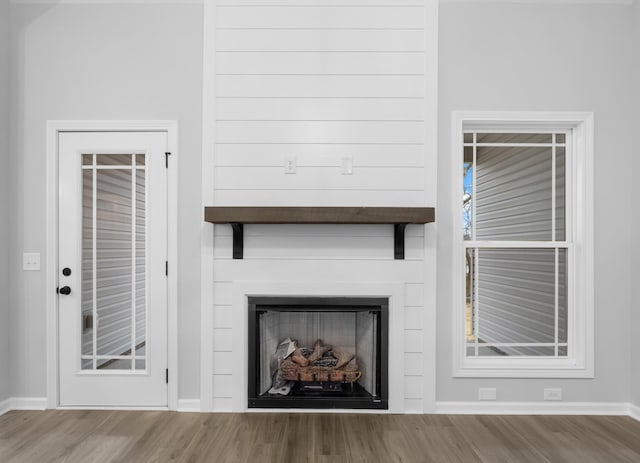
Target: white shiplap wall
(321,81)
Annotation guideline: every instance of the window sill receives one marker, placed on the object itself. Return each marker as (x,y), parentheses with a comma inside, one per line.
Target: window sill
(523,368)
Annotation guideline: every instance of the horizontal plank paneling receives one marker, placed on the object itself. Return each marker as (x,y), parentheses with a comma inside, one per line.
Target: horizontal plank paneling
(319,270)
(223,294)
(222,315)
(223,340)
(319,16)
(223,363)
(234,197)
(413,364)
(320,230)
(319,132)
(323,3)
(346,86)
(309,109)
(357,63)
(414,293)
(413,387)
(320,155)
(329,178)
(319,247)
(321,81)
(320,40)
(413,341)
(223,385)
(413,317)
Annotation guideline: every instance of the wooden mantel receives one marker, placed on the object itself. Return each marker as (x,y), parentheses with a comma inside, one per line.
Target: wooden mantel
(399,217)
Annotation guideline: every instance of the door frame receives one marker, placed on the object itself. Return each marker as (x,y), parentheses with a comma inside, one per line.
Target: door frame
(54,128)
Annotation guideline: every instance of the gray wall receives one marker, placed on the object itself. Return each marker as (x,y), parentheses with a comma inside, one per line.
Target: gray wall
(144,62)
(546,57)
(635,304)
(4,198)
(101,62)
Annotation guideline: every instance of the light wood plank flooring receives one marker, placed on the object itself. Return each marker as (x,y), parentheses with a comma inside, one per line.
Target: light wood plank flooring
(128,436)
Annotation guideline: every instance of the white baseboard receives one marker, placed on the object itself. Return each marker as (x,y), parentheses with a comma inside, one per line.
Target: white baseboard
(532,408)
(28,403)
(5,406)
(448,408)
(189,405)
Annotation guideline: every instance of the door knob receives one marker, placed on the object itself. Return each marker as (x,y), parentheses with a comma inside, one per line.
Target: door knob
(65,290)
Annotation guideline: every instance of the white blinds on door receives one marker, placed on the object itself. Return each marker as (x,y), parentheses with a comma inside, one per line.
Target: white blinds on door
(113,263)
(516,254)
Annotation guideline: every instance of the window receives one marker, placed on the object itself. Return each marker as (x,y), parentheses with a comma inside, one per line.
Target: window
(523,194)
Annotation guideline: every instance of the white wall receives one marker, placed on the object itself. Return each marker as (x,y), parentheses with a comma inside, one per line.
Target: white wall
(635,302)
(4,199)
(101,62)
(320,83)
(546,57)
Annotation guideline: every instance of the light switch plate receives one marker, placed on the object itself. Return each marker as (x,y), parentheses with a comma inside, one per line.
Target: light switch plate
(346,167)
(31,261)
(290,165)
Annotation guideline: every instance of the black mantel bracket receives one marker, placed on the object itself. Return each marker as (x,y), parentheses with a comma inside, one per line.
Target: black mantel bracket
(399,217)
(398,240)
(238,240)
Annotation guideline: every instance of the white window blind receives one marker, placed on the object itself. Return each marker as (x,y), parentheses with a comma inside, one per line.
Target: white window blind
(522,185)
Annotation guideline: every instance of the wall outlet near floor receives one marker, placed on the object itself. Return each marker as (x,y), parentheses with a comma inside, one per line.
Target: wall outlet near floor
(487,393)
(553,393)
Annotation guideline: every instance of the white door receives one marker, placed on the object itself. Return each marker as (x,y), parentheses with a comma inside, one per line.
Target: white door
(112,253)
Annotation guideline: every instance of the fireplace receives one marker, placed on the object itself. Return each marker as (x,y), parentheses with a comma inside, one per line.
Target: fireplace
(318,352)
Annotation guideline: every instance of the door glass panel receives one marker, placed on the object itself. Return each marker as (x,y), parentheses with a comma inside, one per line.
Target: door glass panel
(86,322)
(113,269)
(113,160)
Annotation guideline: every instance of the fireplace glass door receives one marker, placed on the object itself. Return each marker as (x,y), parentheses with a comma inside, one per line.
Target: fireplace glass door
(318,352)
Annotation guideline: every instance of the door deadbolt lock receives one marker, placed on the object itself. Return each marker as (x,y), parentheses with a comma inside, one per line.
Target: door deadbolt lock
(65,290)
(66,271)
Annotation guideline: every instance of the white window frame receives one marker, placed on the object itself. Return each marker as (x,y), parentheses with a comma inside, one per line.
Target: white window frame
(580,362)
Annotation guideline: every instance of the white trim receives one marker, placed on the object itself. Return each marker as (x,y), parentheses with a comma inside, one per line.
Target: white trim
(174,263)
(392,289)
(546,2)
(207,229)
(5,406)
(28,403)
(581,176)
(189,405)
(199,2)
(532,408)
(104,2)
(51,252)
(429,347)
(634,412)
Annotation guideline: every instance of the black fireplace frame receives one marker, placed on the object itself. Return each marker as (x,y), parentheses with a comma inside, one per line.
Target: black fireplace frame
(376,305)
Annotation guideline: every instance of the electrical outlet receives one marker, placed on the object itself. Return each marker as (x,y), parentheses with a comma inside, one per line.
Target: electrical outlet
(31,261)
(552,393)
(487,393)
(290,165)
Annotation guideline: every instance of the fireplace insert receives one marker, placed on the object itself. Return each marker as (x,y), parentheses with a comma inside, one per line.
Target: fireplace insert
(318,352)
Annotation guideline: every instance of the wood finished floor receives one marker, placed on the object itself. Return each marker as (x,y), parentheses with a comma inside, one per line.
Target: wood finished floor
(132,436)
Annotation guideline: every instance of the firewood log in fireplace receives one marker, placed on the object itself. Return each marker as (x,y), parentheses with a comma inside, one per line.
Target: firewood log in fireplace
(322,363)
